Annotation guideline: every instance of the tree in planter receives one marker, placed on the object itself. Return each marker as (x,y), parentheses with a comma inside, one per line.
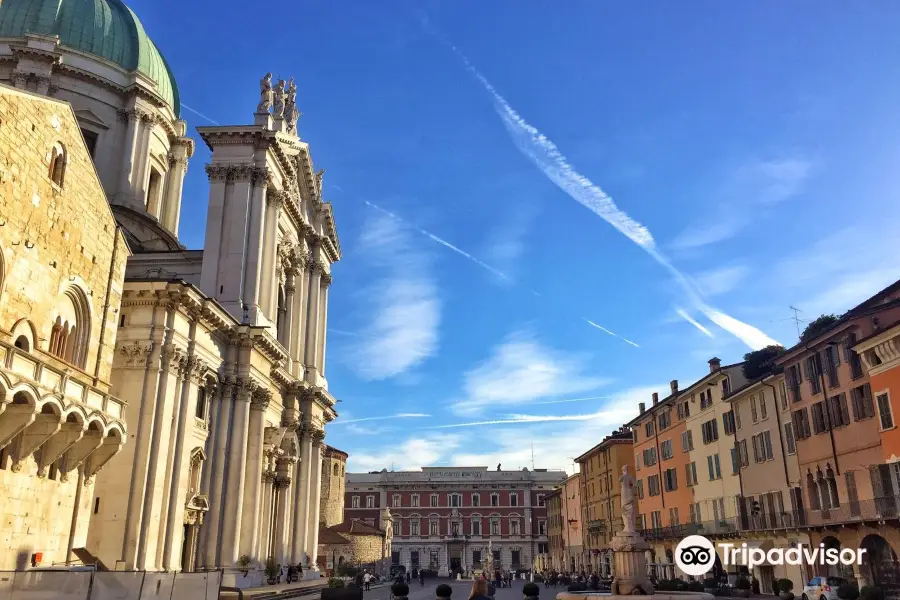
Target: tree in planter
(848,591)
(272,570)
(335,582)
(871,592)
(785,586)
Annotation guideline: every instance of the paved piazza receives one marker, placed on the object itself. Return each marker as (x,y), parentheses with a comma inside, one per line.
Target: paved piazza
(461,590)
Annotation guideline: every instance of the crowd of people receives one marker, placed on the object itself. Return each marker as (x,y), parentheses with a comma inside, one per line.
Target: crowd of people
(553,578)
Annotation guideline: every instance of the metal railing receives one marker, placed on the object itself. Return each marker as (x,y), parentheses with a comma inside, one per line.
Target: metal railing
(877,509)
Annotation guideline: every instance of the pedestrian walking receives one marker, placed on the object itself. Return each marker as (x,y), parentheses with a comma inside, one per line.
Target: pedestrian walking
(367,579)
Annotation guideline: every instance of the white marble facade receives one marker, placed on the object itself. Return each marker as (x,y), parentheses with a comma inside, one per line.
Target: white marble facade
(224,368)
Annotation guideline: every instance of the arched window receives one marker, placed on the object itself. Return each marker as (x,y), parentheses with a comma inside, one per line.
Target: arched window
(58,161)
(812,490)
(335,471)
(70,332)
(23,344)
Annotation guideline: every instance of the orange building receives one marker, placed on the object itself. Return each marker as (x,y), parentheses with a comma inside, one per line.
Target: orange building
(661,459)
(880,353)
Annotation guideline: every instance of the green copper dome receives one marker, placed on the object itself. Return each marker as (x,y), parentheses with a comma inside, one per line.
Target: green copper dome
(104,28)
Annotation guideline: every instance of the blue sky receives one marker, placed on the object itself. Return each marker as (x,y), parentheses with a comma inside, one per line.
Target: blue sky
(509,176)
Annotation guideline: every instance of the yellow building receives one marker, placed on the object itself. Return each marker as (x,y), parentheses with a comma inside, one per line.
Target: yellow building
(600,468)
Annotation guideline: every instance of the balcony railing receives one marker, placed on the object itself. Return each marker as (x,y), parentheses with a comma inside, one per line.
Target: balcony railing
(877,509)
(671,532)
(596,525)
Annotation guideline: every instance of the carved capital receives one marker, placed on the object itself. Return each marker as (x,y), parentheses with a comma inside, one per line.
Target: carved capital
(246,387)
(217,172)
(198,369)
(260,176)
(242,172)
(318,436)
(261,398)
(282,481)
(326,278)
(135,354)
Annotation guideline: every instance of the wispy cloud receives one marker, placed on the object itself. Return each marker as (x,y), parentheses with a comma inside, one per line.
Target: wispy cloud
(480,263)
(567,400)
(548,158)
(720,280)
(748,190)
(521,371)
(519,419)
(404,328)
(384,418)
(684,315)
(555,443)
(412,453)
(506,242)
(198,113)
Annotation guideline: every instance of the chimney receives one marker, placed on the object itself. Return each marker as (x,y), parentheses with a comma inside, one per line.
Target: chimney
(674,385)
(714,364)
(655,398)
(641,408)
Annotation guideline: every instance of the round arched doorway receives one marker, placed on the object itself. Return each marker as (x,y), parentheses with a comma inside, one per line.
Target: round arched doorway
(880,565)
(837,570)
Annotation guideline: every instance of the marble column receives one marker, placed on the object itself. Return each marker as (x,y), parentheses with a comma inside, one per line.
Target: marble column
(323,322)
(315,492)
(237,459)
(171,526)
(215,228)
(282,486)
(211,539)
(311,359)
(301,499)
(126,167)
(290,290)
(171,211)
(253,474)
(265,540)
(298,328)
(255,278)
(268,293)
(142,162)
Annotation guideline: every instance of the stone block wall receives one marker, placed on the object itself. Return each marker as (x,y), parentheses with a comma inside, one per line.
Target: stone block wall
(53,237)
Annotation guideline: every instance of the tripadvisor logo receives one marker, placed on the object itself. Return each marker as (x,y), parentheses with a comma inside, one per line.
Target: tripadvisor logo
(695,555)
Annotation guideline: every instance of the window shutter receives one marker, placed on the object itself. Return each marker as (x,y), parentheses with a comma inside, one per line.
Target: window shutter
(753,414)
(768,437)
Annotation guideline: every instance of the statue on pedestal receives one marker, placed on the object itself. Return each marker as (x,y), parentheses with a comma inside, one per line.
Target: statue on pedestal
(291,113)
(265,94)
(279,99)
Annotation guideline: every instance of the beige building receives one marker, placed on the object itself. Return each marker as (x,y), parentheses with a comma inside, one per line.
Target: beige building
(218,353)
(769,474)
(61,271)
(713,457)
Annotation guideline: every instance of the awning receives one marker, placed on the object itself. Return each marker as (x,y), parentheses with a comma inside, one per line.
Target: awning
(740,558)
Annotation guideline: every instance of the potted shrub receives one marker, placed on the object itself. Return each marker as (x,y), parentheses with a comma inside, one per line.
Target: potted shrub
(335,582)
(848,591)
(710,585)
(272,571)
(244,563)
(871,592)
(784,589)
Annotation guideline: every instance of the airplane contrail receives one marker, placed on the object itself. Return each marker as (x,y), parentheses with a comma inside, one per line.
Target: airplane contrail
(684,315)
(385,418)
(556,167)
(478,262)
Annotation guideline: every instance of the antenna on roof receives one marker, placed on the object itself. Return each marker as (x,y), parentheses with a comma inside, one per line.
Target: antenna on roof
(796,318)
(532,455)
